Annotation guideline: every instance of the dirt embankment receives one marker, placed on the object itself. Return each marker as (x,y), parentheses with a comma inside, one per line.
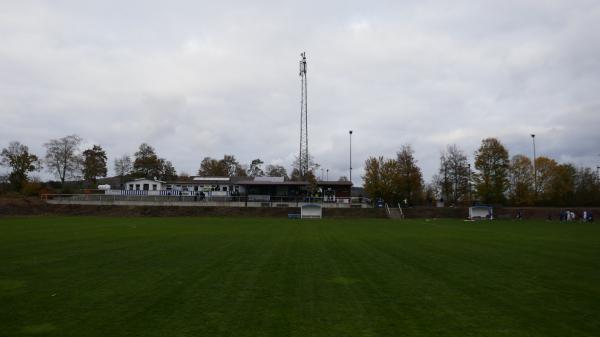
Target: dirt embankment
(34,206)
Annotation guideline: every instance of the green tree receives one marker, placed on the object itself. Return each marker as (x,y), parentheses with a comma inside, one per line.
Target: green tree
(562,185)
(295,176)
(210,167)
(521,181)
(276,171)
(17,157)
(146,163)
(545,169)
(232,166)
(312,168)
(167,170)
(491,160)
(431,194)
(255,169)
(94,164)
(380,179)
(309,177)
(226,167)
(389,180)
(587,187)
(372,183)
(408,178)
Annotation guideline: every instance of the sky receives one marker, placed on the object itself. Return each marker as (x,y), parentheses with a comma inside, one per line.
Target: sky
(207,78)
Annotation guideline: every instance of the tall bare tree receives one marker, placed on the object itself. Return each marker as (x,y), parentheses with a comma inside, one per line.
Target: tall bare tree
(453,179)
(123,167)
(63,157)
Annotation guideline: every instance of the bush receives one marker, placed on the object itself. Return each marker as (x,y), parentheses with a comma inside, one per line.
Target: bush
(46,189)
(32,188)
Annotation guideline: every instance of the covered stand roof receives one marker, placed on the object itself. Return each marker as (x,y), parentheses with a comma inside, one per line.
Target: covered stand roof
(334,183)
(256,181)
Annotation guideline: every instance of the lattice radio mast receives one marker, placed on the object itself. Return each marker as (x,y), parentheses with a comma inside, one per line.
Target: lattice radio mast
(303,159)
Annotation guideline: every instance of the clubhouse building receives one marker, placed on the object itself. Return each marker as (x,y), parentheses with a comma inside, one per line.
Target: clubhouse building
(251,189)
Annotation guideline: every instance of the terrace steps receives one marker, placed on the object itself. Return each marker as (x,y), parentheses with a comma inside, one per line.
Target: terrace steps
(395,213)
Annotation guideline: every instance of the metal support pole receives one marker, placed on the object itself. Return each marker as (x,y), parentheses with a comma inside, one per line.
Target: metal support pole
(598,172)
(351,156)
(534,170)
(469,184)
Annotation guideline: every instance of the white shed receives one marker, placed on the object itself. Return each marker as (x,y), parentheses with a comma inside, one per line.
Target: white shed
(143,184)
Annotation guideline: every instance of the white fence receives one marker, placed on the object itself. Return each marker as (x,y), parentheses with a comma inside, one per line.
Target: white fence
(140,197)
(166,193)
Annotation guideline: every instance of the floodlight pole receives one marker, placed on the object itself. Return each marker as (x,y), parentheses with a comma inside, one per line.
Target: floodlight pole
(534,170)
(469,167)
(303,157)
(598,171)
(327,174)
(350,156)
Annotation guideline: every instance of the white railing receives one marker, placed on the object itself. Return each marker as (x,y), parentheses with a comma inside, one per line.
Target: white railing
(179,196)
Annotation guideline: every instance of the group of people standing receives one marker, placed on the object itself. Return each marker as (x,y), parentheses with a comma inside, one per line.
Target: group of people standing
(567,215)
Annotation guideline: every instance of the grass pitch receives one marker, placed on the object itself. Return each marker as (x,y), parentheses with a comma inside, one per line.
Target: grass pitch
(85,276)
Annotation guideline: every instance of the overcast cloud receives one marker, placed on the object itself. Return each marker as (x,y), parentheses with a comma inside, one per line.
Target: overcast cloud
(206,78)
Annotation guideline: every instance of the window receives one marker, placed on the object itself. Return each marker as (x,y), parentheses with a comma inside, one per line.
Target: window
(224,188)
(146,187)
(154,187)
(131,186)
(137,186)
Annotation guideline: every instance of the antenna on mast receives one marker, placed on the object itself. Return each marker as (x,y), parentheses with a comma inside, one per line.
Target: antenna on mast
(303,159)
